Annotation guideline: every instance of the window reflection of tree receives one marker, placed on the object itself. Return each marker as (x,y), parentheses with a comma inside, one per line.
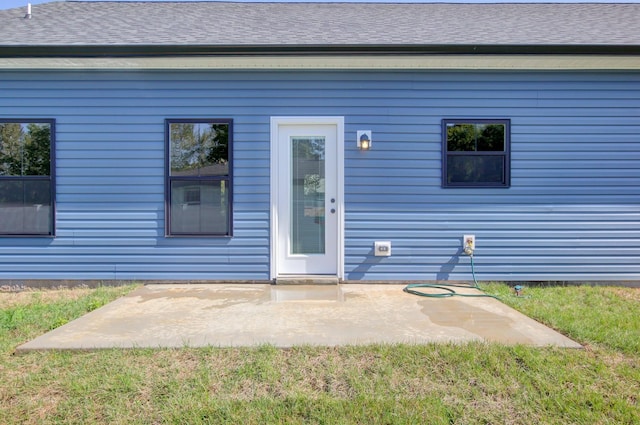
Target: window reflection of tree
(199,149)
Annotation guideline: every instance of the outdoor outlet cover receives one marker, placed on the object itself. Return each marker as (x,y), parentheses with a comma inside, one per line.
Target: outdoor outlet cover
(471,239)
(382,248)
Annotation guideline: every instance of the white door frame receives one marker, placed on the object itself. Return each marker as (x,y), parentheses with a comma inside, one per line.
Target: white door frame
(276,122)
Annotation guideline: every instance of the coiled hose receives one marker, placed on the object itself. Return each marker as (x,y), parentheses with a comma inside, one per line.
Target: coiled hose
(447,288)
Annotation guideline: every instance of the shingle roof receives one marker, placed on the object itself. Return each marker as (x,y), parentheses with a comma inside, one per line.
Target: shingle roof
(78,23)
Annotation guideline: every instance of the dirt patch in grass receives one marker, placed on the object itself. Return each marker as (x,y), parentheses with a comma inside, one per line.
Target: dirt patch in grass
(47,296)
(632,294)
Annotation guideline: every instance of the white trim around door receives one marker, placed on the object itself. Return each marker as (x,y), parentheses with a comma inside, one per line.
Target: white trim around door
(322,213)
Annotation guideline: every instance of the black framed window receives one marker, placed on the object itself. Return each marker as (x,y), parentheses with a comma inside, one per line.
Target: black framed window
(27,187)
(476,152)
(199,177)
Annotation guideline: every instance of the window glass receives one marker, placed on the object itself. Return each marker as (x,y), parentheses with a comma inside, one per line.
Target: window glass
(475,169)
(26,181)
(461,137)
(475,137)
(199,177)
(490,137)
(475,153)
(25,149)
(199,149)
(205,212)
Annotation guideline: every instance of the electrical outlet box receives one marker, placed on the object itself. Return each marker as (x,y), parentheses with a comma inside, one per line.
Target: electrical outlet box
(469,241)
(382,248)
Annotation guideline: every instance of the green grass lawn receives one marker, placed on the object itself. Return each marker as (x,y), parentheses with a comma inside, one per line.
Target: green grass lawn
(382,384)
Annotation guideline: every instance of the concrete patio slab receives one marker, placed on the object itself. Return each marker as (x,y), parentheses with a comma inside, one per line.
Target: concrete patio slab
(225,315)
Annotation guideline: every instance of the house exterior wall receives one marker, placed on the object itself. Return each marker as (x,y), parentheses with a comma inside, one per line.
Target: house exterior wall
(572,211)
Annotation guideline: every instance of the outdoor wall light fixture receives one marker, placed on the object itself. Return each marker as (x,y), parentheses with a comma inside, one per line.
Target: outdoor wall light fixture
(364,140)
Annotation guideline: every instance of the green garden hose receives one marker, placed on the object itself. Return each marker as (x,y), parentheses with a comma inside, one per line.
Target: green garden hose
(447,288)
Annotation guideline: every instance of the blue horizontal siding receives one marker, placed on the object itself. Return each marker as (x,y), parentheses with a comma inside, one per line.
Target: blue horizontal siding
(572,211)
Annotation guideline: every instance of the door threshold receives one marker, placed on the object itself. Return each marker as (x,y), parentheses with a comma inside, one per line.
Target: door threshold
(307,279)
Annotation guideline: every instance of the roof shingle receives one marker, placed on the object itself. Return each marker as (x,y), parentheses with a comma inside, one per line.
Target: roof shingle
(81,23)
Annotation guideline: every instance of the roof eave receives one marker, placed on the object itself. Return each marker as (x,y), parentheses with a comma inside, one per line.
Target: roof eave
(150,50)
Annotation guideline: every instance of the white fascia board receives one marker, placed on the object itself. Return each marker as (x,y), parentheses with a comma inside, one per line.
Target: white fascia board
(414,62)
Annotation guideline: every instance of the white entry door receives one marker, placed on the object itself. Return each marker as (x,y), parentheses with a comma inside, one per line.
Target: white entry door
(307,195)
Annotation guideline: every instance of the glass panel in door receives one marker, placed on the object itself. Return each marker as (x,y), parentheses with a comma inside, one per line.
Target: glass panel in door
(307,231)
